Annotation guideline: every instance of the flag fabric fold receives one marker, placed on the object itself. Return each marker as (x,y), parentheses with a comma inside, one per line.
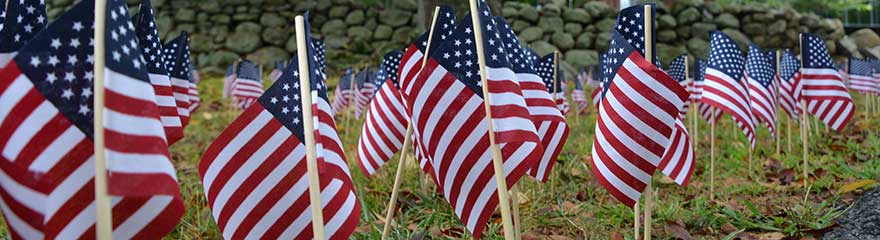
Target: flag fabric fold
(385,125)
(725,87)
(790,86)
(177,61)
(248,84)
(148,37)
(823,88)
(762,89)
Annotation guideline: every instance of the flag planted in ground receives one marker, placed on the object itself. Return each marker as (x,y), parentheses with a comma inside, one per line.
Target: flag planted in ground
(677,71)
(47,177)
(148,37)
(343,93)
(385,125)
(725,87)
(827,97)
(762,89)
(248,84)
(177,62)
(364,89)
(578,95)
(790,86)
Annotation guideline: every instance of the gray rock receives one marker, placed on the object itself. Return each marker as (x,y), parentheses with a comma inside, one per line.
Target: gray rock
(713,7)
(573,28)
(684,31)
(542,47)
(754,29)
(267,56)
(403,34)
(849,46)
(320,5)
(738,37)
(563,41)
(861,221)
(582,57)
(355,17)
(551,10)
(510,13)
(409,5)
(698,47)
(248,27)
(865,38)
(577,15)
(669,52)
(606,25)
(338,11)
(217,58)
(551,24)
(221,19)
(273,20)
(689,15)
(219,33)
(244,17)
(333,27)
(776,27)
(666,22)
(519,25)
(201,43)
(277,35)
(701,30)
(666,36)
(585,40)
(382,32)
(603,41)
(727,20)
(185,15)
(529,13)
(394,18)
(531,34)
(208,6)
(597,8)
(359,33)
(243,42)
(334,42)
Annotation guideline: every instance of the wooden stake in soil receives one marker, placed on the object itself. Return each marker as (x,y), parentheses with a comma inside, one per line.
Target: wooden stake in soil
(804,123)
(776,101)
(104,213)
(649,54)
(398,178)
(309,128)
(712,155)
(497,159)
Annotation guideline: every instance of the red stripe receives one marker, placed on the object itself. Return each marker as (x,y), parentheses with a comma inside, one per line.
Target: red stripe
(23,109)
(42,139)
(240,157)
(226,136)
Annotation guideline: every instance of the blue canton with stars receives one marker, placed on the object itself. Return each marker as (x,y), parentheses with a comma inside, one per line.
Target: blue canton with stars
(248,70)
(725,56)
(230,70)
(345,79)
(25,18)
(815,53)
(759,66)
(677,68)
(547,69)
(458,55)
(860,67)
(700,70)
(283,99)
(388,69)
(789,65)
(2,16)
(362,77)
(631,25)
(148,35)
(320,57)
(618,52)
(177,56)
(516,54)
(444,26)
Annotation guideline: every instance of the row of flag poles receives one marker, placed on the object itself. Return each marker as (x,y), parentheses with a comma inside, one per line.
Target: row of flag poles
(91,102)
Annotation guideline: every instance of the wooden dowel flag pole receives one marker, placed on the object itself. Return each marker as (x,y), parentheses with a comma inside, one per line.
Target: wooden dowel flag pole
(649,55)
(309,129)
(776,101)
(407,139)
(712,155)
(104,213)
(497,161)
(804,123)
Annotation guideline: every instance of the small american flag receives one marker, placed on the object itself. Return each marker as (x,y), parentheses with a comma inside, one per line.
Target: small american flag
(677,70)
(790,84)
(229,80)
(699,83)
(861,76)
(148,36)
(364,89)
(385,125)
(47,158)
(343,93)
(320,57)
(193,91)
(637,116)
(841,68)
(578,95)
(600,79)
(536,79)
(449,118)
(30,19)
(254,174)
(762,90)
(276,72)
(554,79)
(823,88)
(725,86)
(248,84)
(176,60)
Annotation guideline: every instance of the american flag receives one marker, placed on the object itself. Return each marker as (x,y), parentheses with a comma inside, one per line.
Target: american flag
(228,80)
(343,93)
(637,116)
(760,72)
(2,16)
(552,75)
(248,85)
(696,89)
(411,65)
(27,18)
(385,125)
(364,88)
(254,174)
(320,58)
(449,118)
(841,68)
(861,76)
(725,86)
(148,37)
(193,92)
(176,60)
(578,96)
(677,70)
(536,81)
(47,119)
(600,79)
(827,97)
(276,72)
(790,84)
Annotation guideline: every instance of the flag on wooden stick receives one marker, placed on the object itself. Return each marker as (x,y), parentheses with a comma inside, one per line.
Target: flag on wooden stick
(762,89)
(790,86)
(248,85)
(827,97)
(385,125)
(725,86)
(177,61)
(343,93)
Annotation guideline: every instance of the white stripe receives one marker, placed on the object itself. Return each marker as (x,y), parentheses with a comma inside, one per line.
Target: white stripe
(22,194)
(244,136)
(25,132)
(13,95)
(60,146)
(132,124)
(143,216)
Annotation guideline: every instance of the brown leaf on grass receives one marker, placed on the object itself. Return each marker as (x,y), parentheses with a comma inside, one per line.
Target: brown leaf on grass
(728,228)
(771,236)
(616,236)
(436,232)
(817,174)
(852,186)
(837,147)
(363,228)
(558,237)
(772,165)
(783,177)
(454,232)
(530,236)
(677,231)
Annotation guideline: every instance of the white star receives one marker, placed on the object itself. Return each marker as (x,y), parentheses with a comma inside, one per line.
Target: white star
(83,109)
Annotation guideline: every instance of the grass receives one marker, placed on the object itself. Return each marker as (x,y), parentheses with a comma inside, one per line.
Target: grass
(771,199)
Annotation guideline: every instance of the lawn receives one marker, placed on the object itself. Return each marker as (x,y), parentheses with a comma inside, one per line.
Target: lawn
(770,201)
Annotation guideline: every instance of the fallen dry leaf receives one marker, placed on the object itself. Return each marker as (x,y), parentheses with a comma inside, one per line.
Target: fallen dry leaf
(771,236)
(559,237)
(677,231)
(849,187)
(616,236)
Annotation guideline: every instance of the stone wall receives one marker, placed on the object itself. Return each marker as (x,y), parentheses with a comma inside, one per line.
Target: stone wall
(361,31)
